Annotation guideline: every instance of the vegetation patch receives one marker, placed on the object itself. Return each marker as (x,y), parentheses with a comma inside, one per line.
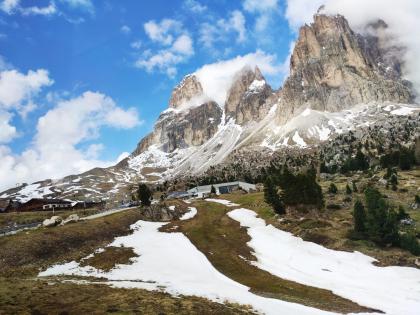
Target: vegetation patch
(46,296)
(27,252)
(110,257)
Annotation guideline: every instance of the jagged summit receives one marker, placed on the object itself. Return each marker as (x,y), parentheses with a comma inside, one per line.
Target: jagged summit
(332,68)
(247,97)
(189,88)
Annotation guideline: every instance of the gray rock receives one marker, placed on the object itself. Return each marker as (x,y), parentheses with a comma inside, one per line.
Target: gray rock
(53,221)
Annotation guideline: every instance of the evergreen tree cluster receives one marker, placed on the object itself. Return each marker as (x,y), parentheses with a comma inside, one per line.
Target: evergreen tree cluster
(296,190)
(144,194)
(380,223)
(403,158)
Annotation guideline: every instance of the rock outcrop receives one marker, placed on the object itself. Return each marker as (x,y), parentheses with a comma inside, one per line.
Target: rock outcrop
(186,91)
(177,130)
(247,98)
(333,68)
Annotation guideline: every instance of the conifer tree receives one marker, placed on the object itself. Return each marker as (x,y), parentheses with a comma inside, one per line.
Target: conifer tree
(354,186)
(213,190)
(144,194)
(359,217)
(348,190)
(332,189)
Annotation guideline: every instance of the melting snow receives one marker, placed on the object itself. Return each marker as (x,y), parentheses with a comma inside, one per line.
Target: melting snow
(170,261)
(404,111)
(395,290)
(298,140)
(256,85)
(190,214)
(223,202)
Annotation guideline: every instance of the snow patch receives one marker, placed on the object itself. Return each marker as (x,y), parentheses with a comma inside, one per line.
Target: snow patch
(223,202)
(169,261)
(190,214)
(395,290)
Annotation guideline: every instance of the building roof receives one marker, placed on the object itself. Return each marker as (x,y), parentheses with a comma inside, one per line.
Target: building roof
(206,188)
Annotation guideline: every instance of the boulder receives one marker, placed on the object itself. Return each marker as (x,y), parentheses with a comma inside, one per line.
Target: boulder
(72,218)
(53,221)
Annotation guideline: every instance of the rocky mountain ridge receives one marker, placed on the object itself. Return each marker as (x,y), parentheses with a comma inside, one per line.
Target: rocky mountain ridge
(339,81)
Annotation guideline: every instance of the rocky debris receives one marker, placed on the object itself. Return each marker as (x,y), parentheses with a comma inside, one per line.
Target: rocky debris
(53,221)
(248,98)
(332,68)
(158,212)
(189,88)
(72,218)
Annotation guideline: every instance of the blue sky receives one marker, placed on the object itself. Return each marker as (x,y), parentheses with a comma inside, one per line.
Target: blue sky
(127,52)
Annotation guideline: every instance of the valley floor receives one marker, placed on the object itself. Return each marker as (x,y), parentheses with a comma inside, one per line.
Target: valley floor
(220,258)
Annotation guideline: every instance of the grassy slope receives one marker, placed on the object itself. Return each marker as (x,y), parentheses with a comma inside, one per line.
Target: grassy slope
(10,218)
(223,241)
(51,297)
(24,254)
(330,227)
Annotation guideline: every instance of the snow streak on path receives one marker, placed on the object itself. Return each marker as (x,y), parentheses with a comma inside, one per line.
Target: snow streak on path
(394,290)
(223,202)
(171,261)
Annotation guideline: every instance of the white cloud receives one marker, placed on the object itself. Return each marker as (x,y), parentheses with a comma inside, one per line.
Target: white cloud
(183,45)
(17,88)
(194,6)
(17,91)
(54,151)
(125,29)
(216,78)
(85,5)
(223,30)
(7,131)
(48,10)
(136,44)
(162,32)
(9,6)
(176,46)
(402,19)
(264,9)
(259,5)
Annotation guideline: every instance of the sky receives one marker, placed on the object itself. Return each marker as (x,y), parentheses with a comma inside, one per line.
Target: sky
(82,81)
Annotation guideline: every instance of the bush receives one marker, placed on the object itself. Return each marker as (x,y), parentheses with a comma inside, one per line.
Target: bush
(333,206)
(409,242)
(348,190)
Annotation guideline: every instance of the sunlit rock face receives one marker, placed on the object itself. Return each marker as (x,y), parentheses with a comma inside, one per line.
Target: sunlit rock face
(332,68)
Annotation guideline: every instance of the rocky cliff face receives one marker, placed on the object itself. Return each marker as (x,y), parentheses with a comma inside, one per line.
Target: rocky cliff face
(248,98)
(189,89)
(333,68)
(177,130)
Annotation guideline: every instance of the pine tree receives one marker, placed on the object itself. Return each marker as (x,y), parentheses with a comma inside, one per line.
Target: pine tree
(359,217)
(272,197)
(348,190)
(332,189)
(213,190)
(144,194)
(394,181)
(354,186)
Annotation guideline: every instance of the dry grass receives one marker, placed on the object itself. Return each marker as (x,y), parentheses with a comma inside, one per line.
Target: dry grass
(46,296)
(26,252)
(110,257)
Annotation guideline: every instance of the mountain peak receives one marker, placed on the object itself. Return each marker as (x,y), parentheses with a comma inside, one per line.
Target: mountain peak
(332,68)
(189,88)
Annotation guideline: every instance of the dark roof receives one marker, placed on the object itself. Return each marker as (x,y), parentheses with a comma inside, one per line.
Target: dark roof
(48,201)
